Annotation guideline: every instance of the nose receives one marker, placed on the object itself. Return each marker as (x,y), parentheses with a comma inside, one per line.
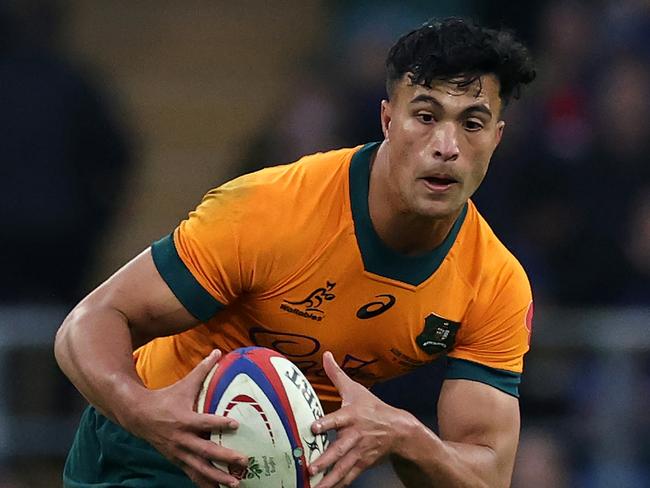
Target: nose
(445,142)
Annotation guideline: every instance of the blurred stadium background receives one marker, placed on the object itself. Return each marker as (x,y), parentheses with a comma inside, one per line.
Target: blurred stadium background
(117,115)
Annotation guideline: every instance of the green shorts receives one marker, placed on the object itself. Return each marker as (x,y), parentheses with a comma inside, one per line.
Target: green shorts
(104,455)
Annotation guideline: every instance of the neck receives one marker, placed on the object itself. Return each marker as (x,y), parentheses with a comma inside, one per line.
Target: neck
(400,229)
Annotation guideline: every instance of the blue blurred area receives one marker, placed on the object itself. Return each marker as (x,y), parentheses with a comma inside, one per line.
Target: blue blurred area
(568,192)
(64,158)
(568,189)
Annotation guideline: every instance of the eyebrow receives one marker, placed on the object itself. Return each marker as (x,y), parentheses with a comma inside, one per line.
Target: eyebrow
(478,107)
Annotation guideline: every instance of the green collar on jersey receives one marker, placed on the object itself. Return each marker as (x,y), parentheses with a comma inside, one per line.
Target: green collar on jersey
(378,258)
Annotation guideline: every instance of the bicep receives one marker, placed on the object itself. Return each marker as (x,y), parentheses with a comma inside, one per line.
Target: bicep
(471,412)
(138,292)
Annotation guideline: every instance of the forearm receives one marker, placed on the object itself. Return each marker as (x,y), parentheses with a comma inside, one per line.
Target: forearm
(94,349)
(421,459)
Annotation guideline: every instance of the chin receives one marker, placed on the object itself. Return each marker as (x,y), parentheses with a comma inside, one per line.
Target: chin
(437,210)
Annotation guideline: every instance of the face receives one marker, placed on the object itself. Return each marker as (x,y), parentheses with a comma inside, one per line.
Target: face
(440,141)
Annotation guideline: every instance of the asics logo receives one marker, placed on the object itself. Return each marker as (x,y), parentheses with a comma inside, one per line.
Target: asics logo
(376,307)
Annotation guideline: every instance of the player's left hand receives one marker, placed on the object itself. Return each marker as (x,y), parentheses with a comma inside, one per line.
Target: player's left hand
(366,430)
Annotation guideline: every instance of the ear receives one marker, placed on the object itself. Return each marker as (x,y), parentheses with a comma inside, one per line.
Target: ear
(500,126)
(385,117)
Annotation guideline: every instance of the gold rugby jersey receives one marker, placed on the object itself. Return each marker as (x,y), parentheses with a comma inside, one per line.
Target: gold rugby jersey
(287,258)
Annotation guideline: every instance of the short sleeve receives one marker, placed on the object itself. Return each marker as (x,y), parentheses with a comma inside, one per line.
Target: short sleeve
(496,333)
(201,260)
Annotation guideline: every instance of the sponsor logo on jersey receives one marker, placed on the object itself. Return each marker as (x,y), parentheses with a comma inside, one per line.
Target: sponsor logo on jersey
(376,307)
(311,307)
(304,352)
(438,335)
(405,361)
(358,368)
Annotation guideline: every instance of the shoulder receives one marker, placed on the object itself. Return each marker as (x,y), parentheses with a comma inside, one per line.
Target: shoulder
(302,180)
(486,263)
(255,229)
(274,214)
(282,182)
(496,324)
(308,169)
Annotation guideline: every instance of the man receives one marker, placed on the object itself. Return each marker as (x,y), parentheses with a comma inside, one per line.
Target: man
(374,253)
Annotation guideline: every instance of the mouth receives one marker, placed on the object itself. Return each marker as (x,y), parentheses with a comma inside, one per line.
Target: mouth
(439,183)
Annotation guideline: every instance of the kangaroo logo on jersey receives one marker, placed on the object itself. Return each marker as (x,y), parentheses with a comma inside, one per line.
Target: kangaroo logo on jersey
(310,307)
(377,307)
(438,335)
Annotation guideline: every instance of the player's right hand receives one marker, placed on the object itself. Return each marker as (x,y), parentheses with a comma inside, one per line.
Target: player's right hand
(166,419)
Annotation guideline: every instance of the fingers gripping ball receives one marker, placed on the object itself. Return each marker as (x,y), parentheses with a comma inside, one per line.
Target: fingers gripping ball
(275,406)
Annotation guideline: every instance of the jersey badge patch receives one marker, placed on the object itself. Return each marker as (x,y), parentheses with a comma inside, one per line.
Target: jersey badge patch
(438,335)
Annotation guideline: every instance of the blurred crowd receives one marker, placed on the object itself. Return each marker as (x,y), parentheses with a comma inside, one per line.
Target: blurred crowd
(64,158)
(568,190)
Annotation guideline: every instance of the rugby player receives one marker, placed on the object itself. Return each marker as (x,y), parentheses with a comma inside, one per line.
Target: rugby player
(358,264)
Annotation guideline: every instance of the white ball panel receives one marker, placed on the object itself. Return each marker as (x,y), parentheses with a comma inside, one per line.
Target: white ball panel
(260,435)
(200,403)
(306,408)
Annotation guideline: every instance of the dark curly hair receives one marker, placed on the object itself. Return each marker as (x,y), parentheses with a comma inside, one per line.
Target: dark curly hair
(459,51)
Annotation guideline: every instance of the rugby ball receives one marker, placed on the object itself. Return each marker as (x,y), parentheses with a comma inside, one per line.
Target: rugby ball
(275,406)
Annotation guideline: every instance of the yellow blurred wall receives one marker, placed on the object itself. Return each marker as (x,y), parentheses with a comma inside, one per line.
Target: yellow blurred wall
(195,78)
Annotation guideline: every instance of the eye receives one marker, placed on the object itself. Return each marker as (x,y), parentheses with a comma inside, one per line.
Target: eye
(425,117)
(473,125)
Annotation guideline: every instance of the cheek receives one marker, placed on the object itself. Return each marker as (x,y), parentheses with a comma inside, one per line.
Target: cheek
(412,144)
(478,175)
(480,151)
(478,162)
(403,162)
(403,141)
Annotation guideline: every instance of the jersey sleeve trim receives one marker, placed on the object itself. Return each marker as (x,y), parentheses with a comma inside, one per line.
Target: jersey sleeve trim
(181,281)
(506,381)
